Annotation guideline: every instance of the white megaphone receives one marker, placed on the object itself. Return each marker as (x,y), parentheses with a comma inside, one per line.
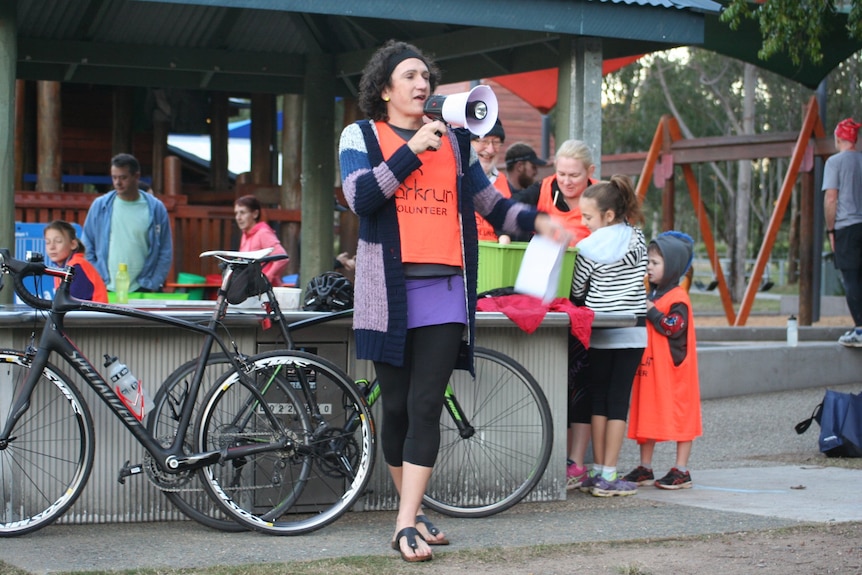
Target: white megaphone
(475,110)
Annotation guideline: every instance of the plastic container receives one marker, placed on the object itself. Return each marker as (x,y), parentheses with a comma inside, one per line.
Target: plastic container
(792,331)
(499,265)
(288,297)
(121,284)
(187,278)
(138,297)
(129,388)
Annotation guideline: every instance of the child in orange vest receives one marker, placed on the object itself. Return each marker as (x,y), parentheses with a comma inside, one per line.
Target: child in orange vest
(65,249)
(665,403)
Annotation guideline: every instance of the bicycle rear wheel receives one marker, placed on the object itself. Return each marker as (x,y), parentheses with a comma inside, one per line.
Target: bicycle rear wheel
(512,435)
(185,491)
(328,452)
(49,456)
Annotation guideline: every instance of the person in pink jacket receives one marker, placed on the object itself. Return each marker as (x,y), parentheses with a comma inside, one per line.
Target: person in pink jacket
(257,235)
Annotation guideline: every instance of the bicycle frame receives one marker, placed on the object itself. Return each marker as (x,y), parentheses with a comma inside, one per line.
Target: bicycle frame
(54,339)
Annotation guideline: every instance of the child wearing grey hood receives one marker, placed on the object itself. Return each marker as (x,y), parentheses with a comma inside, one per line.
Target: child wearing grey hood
(665,403)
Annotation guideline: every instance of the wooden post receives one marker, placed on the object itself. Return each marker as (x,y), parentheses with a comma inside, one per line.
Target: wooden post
(121,121)
(20,131)
(348,228)
(161,126)
(8,63)
(262,137)
(669,193)
(219,142)
(173,176)
(806,251)
(318,165)
(48,125)
(291,184)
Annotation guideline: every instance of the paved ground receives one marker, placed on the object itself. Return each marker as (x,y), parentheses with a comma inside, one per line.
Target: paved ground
(751,471)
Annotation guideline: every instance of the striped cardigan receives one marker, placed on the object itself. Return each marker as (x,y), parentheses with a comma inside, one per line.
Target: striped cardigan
(369,183)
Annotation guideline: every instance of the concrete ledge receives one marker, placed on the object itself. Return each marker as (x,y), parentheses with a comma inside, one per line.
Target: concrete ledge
(768,334)
(727,369)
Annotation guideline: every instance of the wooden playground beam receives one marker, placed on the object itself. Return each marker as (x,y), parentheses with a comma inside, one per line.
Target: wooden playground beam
(669,148)
(811,124)
(724,148)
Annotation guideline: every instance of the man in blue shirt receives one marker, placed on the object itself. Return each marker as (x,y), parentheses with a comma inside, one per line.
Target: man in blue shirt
(128,225)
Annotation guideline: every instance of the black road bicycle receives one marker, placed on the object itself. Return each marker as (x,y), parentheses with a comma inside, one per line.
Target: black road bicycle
(263,449)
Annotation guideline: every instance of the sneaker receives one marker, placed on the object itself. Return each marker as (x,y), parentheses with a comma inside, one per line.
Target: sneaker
(675,479)
(640,476)
(619,486)
(851,339)
(575,476)
(588,482)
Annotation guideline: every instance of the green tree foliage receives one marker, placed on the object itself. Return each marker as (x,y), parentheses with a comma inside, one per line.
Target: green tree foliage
(795,27)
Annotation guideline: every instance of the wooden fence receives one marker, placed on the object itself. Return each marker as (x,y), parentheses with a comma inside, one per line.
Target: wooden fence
(195,228)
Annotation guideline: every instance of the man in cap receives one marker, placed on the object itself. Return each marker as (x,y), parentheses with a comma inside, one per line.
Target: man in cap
(522,166)
(842,207)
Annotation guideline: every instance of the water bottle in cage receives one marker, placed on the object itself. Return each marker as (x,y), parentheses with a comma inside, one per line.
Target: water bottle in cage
(129,389)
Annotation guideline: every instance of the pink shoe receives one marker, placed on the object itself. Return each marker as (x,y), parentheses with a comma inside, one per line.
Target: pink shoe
(575,476)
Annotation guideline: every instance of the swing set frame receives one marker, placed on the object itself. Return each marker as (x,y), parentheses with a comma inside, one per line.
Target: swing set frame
(670,149)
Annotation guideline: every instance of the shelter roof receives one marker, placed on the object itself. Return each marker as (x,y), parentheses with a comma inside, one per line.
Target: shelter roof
(260,45)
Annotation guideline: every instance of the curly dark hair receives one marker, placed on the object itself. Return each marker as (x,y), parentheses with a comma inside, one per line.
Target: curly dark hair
(376,76)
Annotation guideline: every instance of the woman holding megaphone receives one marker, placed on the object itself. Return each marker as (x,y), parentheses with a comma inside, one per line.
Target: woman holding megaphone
(415,183)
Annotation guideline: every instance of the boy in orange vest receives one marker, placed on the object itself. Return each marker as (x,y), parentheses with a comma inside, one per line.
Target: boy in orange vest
(665,404)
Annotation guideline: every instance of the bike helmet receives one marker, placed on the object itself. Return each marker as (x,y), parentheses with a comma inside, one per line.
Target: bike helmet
(329,291)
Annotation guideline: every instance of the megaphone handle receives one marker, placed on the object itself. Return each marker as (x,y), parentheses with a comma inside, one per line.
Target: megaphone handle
(440,135)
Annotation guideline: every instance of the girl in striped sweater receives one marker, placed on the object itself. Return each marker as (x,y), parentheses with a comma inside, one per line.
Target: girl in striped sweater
(609,277)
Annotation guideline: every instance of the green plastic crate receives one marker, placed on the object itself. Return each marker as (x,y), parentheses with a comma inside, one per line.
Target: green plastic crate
(137,297)
(499,265)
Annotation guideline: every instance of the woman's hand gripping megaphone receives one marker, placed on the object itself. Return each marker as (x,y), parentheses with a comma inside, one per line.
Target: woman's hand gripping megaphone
(428,137)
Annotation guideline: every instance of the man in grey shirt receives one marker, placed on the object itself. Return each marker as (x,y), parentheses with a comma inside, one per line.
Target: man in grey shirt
(842,206)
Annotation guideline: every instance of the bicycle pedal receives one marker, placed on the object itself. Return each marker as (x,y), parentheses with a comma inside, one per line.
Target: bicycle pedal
(129,470)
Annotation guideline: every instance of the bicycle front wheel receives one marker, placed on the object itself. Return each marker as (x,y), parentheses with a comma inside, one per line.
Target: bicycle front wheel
(321,438)
(49,455)
(504,444)
(185,491)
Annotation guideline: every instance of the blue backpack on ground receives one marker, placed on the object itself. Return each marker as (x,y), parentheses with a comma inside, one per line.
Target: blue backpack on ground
(840,419)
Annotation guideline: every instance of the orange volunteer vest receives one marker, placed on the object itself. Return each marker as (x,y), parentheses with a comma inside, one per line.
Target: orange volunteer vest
(571,219)
(427,204)
(665,404)
(486,230)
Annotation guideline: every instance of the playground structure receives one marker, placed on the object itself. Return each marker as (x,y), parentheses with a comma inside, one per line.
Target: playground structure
(670,149)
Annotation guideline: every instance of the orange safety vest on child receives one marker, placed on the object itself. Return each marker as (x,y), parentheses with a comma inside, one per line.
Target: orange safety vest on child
(665,403)
(81,283)
(427,205)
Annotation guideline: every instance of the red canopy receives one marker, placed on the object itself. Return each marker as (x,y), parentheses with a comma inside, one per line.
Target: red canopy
(539,88)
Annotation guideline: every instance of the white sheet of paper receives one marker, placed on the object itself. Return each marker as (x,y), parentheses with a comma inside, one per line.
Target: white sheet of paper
(540,269)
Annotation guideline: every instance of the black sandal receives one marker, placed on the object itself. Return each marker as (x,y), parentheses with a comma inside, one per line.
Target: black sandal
(431,530)
(411,534)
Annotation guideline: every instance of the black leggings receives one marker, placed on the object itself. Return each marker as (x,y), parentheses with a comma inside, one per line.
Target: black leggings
(848,259)
(412,395)
(611,373)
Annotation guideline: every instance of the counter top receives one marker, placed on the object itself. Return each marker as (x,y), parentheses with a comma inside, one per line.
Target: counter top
(12,315)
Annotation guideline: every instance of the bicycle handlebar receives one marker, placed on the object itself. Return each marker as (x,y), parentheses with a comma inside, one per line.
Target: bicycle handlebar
(20,269)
